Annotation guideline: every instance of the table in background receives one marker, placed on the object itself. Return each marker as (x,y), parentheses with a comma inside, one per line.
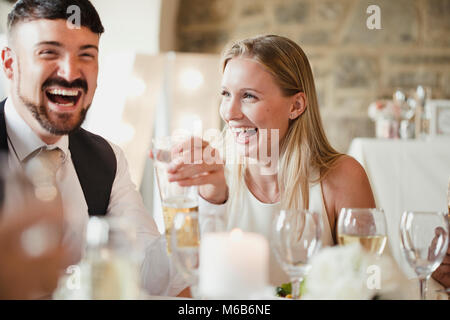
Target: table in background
(405,175)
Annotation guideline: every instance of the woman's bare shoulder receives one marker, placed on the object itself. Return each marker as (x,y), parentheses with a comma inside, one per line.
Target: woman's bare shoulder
(348,185)
(345,172)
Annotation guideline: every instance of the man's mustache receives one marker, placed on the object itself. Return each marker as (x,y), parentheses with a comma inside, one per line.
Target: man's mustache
(78,84)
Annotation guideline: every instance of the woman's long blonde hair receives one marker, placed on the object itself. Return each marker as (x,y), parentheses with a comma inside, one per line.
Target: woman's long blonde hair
(305,148)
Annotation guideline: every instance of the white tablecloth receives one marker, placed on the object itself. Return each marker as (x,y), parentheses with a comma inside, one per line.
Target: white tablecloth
(405,175)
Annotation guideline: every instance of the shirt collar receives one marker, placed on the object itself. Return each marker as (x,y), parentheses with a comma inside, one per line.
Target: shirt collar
(23,139)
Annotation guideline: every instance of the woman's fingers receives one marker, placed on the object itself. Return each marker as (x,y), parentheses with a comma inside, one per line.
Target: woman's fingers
(190,144)
(194,152)
(191,170)
(191,150)
(209,178)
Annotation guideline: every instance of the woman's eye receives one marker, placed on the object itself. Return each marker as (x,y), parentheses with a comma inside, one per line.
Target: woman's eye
(249,96)
(87,56)
(225,94)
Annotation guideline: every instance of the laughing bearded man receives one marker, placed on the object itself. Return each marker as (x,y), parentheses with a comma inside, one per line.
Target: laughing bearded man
(52,69)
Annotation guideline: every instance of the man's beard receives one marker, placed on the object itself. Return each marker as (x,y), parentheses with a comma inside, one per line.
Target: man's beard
(59,127)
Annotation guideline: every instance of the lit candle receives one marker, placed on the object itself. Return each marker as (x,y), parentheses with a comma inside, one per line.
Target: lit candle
(233,265)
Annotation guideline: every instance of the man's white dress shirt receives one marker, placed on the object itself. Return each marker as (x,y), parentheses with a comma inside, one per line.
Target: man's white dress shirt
(159,274)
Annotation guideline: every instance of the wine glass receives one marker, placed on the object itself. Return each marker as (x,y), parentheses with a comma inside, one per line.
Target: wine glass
(296,237)
(424,240)
(113,258)
(448,201)
(364,226)
(447,290)
(185,245)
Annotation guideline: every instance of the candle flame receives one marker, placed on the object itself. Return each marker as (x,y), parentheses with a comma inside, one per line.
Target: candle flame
(236,234)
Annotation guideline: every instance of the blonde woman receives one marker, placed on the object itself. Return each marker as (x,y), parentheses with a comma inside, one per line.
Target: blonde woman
(268,86)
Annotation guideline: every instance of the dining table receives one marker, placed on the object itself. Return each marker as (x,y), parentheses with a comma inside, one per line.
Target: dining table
(405,175)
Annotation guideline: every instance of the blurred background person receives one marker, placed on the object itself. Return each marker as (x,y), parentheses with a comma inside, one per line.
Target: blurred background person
(32,255)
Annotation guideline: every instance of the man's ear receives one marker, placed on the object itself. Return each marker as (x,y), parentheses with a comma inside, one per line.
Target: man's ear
(298,105)
(8,62)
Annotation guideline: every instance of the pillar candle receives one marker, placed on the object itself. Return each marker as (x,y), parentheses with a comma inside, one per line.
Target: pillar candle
(233,265)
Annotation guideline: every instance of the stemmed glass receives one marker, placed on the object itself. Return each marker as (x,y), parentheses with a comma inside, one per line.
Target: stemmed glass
(447,290)
(424,240)
(364,226)
(448,201)
(296,237)
(185,245)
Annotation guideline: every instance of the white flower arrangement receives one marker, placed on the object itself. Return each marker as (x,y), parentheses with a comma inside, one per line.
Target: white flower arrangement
(385,109)
(350,273)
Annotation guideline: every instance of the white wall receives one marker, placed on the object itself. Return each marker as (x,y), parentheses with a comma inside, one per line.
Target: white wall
(130,25)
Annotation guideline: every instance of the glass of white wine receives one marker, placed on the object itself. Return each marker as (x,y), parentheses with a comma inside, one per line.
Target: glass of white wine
(296,237)
(185,245)
(364,226)
(424,239)
(174,198)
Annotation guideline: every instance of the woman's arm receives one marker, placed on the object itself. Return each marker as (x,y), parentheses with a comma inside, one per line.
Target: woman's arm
(346,186)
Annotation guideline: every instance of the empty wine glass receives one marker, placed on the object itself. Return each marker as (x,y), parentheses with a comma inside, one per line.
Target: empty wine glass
(364,226)
(448,201)
(185,245)
(424,240)
(296,237)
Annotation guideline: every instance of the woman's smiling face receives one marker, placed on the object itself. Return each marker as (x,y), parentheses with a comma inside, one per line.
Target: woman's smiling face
(251,102)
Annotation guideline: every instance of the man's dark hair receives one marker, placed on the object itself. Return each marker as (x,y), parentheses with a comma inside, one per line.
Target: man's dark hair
(29,10)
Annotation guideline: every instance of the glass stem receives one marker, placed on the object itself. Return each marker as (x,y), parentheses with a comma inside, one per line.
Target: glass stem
(296,288)
(423,288)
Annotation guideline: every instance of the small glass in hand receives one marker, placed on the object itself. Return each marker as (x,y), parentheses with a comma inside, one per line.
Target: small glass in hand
(185,245)
(174,198)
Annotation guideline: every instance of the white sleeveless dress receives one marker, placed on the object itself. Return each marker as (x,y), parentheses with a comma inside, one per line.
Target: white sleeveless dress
(256,216)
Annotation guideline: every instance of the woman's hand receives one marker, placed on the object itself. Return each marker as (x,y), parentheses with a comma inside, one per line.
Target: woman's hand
(442,273)
(196,163)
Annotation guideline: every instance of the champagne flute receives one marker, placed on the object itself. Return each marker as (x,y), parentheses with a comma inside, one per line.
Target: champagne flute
(424,240)
(364,226)
(185,245)
(296,237)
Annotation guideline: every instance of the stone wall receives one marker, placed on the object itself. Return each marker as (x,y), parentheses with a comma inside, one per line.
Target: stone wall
(352,64)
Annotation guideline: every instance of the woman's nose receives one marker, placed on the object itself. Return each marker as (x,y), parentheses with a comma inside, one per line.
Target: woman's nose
(231,110)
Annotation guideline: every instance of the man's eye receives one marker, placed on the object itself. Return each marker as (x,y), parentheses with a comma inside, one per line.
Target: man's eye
(47,53)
